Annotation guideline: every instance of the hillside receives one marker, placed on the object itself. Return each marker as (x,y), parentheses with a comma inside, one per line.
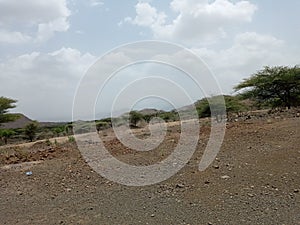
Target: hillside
(24,120)
(19,123)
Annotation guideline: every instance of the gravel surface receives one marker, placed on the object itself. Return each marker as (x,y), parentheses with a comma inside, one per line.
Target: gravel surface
(255,179)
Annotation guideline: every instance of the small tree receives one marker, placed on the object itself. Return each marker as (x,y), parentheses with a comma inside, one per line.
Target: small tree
(6,134)
(30,131)
(58,130)
(69,129)
(134,118)
(101,125)
(232,104)
(5,105)
(276,86)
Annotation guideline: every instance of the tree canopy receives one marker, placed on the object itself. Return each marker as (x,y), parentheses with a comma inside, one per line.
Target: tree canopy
(134,118)
(30,130)
(277,86)
(232,104)
(5,105)
(6,134)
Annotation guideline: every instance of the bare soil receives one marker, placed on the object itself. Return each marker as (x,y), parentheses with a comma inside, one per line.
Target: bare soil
(255,179)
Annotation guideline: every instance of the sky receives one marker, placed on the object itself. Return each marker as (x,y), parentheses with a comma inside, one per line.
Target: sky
(48,46)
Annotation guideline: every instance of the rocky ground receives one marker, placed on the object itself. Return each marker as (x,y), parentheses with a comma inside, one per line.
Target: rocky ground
(255,179)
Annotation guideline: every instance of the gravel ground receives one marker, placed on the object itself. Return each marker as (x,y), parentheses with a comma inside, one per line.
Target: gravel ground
(255,179)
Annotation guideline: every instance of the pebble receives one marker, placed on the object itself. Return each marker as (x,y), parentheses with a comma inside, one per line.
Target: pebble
(179,185)
(216,166)
(225,177)
(250,195)
(29,173)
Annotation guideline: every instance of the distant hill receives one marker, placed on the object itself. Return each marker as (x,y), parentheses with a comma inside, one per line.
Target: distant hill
(19,123)
(24,120)
(150,111)
(145,112)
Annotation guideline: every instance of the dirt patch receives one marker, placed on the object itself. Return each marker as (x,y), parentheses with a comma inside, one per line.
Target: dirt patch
(255,179)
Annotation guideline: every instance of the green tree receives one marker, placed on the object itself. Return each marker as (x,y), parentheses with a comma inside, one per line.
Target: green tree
(69,129)
(134,118)
(232,104)
(5,134)
(277,86)
(30,130)
(5,105)
(58,130)
(101,125)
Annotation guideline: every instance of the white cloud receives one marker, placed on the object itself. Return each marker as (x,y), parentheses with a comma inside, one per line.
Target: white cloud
(13,37)
(146,15)
(26,17)
(250,52)
(96,3)
(47,30)
(196,20)
(44,83)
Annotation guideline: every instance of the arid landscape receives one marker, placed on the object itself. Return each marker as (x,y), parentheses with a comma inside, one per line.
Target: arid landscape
(176,112)
(255,179)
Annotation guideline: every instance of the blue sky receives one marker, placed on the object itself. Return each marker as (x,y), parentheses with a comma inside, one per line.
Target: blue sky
(48,45)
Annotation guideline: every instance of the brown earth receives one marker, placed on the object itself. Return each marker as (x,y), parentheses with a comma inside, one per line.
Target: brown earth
(255,179)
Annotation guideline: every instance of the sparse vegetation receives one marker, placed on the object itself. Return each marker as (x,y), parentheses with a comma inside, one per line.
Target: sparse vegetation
(233,104)
(30,131)
(101,125)
(5,134)
(134,118)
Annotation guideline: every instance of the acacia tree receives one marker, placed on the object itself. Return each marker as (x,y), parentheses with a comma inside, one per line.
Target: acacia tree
(6,134)
(134,118)
(30,131)
(232,104)
(277,86)
(5,105)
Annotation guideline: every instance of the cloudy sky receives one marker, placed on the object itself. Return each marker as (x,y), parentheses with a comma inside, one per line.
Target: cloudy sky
(47,46)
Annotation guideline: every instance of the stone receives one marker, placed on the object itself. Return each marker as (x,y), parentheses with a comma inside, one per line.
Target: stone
(179,185)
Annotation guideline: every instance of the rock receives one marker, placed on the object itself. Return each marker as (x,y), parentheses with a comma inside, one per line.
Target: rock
(216,166)
(152,215)
(298,115)
(179,185)
(225,177)
(206,182)
(250,195)
(296,191)
(28,173)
